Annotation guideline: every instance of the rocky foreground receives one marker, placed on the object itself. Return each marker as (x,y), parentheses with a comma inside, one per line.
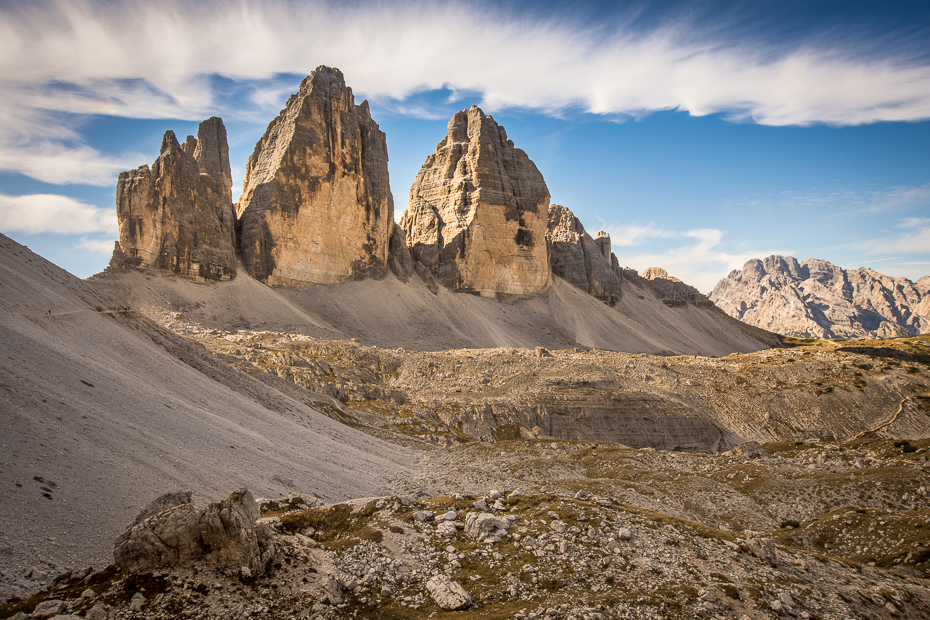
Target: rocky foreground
(534,529)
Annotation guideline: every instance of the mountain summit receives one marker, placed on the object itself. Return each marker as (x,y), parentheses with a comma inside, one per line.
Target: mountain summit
(816,299)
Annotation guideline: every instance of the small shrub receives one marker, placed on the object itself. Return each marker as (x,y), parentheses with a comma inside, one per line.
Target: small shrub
(909,448)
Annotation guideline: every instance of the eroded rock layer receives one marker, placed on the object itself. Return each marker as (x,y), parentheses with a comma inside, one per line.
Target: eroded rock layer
(477,214)
(316,205)
(178,215)
(582,261)
(815,298)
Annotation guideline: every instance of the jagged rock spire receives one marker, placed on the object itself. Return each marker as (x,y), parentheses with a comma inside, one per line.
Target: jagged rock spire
(477,213)
(178,215)
(316,205)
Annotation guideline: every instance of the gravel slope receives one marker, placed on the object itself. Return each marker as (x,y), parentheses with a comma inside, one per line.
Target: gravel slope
(388,313)
(101,411)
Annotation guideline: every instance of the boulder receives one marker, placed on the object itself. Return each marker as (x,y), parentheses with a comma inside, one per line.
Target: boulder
(448,594)
(49,608)
(584,262)
(178,215)
(477,213)
(316,204)
(171,530)
(482,526)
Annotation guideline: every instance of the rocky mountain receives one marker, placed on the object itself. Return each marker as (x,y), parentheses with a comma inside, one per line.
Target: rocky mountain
(178,215)
(316,209)
(580,260)
(316,205)
(816,299)
(477,214)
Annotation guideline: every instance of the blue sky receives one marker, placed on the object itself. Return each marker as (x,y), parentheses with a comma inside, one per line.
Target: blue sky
(699,134)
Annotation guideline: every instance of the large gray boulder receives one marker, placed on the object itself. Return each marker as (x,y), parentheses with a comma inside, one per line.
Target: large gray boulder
(171,530)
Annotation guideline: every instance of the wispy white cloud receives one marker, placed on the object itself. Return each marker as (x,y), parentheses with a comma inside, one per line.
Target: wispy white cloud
(629,235)
(159,60)
(849,200)
(914,222)
(395,49)
(57,163)
(97,246)
(695,257)
(915,239)
(50,213)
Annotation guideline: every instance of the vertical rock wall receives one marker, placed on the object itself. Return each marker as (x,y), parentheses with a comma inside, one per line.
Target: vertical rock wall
(582,261)
(178,215)
(477,215)
(316,205)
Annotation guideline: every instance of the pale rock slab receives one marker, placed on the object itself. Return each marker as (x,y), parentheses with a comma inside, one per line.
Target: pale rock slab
(178,216)
(477,213)
(448,594)
(316,204)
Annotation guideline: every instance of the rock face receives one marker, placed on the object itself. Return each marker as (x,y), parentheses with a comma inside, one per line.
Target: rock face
(584,262)
(816,299)
(477,215)
(178,215)
(171,530)
(316,205)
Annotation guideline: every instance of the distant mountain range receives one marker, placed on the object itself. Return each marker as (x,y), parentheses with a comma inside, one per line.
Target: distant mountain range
(816,299)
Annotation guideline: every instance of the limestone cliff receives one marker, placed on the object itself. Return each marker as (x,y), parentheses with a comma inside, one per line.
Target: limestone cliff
(817,299)
(316,205)
(477,215)
(178,215)
(582,261)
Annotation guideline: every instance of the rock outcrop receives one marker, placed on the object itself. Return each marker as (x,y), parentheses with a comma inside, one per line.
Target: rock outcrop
(477,215)
(582,261)
(178,215)
(171,530)
(672,291)
(316,205)
(816,299)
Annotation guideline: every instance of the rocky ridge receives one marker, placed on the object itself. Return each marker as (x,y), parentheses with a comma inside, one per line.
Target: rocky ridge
(317,209)
(666,402)
(580,531)
(477,215)
(580,260)
(316,204)
(672,291)
(816,299)
(178,215)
